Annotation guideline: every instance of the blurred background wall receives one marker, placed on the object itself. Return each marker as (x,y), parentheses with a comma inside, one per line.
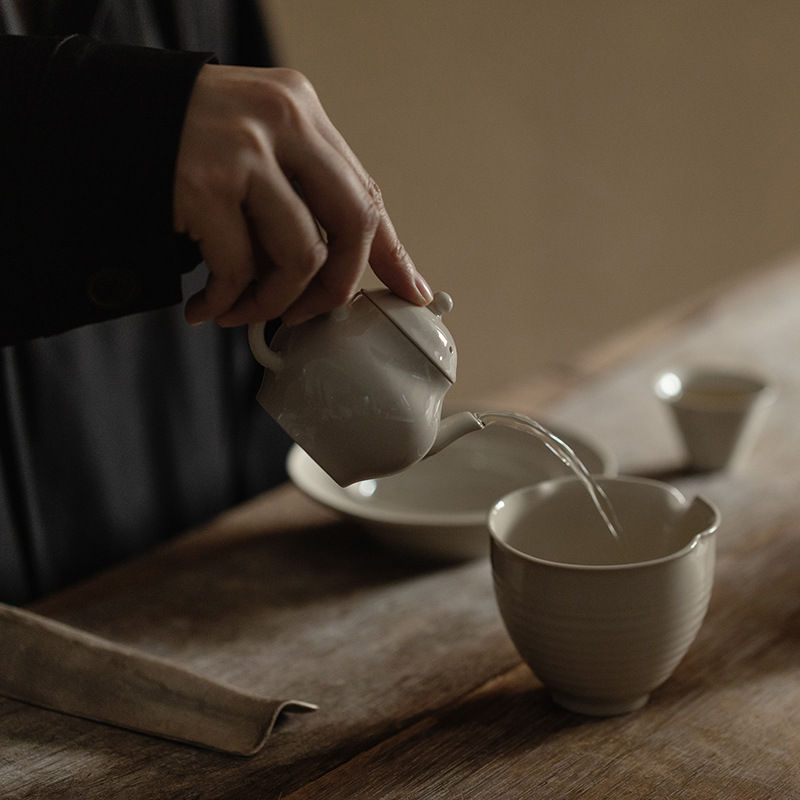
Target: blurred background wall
(564,168)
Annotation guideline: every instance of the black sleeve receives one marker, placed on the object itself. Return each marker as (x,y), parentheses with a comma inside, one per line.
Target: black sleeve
(89,136)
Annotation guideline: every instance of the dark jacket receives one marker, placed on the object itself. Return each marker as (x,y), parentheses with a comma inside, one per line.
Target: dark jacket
(119,424)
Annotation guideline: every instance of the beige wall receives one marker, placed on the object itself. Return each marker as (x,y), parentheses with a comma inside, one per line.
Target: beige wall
(564,168)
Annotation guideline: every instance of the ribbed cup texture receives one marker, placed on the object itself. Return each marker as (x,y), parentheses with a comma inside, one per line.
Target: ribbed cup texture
(603,635)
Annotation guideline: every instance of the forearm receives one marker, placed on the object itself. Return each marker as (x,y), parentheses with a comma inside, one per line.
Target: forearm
(88,143)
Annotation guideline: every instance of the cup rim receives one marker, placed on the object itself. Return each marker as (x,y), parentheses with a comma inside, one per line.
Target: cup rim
(759,385)
(538,488)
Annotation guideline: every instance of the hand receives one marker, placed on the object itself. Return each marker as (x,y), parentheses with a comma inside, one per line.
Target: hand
(261,171)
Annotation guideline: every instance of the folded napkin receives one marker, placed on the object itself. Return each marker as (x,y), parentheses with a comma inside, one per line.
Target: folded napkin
(59,667)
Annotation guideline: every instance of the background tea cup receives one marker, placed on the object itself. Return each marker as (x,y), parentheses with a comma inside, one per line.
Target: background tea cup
(717,412)
(602,623)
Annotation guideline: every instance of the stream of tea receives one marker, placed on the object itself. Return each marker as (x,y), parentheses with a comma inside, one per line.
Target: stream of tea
(565,453)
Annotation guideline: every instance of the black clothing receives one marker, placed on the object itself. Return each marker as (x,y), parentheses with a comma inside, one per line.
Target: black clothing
(118,433)
(88,144)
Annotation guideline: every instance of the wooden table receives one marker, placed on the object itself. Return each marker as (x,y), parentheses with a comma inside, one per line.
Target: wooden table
(421,693)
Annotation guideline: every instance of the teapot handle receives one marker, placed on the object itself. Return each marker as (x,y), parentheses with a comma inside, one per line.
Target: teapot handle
(259,348)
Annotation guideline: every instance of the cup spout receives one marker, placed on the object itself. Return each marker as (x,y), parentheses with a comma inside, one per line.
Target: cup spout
(698,518)
(454,427)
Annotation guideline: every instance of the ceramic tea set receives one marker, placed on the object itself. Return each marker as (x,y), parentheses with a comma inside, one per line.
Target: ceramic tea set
(361,391)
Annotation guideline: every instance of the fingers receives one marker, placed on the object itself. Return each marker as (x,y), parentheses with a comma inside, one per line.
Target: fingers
(250,136)
(345,209)
(392,264)
(388,258)
(299,282)
(349,205)
(225,243)
(289,251)
(340,276)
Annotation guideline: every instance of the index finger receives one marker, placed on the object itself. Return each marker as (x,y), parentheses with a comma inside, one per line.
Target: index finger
(388,258)
(391,262)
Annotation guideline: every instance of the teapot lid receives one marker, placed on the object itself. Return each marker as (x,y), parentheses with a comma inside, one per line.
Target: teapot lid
(422,325)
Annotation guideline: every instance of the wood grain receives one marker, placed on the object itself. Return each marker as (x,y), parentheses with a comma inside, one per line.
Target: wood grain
(421,694)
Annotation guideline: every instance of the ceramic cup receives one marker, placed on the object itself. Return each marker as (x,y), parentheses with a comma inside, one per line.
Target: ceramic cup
(718,413)
(602,623)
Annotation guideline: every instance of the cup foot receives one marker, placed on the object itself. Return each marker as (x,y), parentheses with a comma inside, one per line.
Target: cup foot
(600,707)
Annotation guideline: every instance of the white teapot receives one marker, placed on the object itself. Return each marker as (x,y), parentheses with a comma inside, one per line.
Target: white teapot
(360,388)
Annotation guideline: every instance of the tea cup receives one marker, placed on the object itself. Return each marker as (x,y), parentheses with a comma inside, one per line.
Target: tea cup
(601,621)
(717,412)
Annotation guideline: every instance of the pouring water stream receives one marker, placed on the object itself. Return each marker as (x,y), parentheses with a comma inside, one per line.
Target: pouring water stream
(566,454)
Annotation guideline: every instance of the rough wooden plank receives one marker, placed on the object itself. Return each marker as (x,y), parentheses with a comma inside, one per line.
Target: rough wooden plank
(733,705)
(414,673)
(375,638)
(508,740)
(727,724)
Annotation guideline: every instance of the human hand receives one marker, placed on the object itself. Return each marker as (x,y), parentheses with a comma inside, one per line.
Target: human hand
(251,137)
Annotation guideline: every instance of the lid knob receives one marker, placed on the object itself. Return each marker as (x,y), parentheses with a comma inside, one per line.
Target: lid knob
(441,303)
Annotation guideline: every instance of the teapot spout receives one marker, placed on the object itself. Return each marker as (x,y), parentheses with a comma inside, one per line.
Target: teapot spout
(454,427)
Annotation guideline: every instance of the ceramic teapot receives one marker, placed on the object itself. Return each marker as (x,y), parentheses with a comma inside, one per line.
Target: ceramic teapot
(360,388)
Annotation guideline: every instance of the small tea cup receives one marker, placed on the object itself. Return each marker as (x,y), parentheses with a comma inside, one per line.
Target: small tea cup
(717,412)
(602,622)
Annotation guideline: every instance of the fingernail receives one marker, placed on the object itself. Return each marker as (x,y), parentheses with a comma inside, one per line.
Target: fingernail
(424,290)
(192,318)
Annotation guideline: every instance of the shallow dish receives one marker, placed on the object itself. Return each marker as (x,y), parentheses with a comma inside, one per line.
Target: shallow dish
(438,507)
